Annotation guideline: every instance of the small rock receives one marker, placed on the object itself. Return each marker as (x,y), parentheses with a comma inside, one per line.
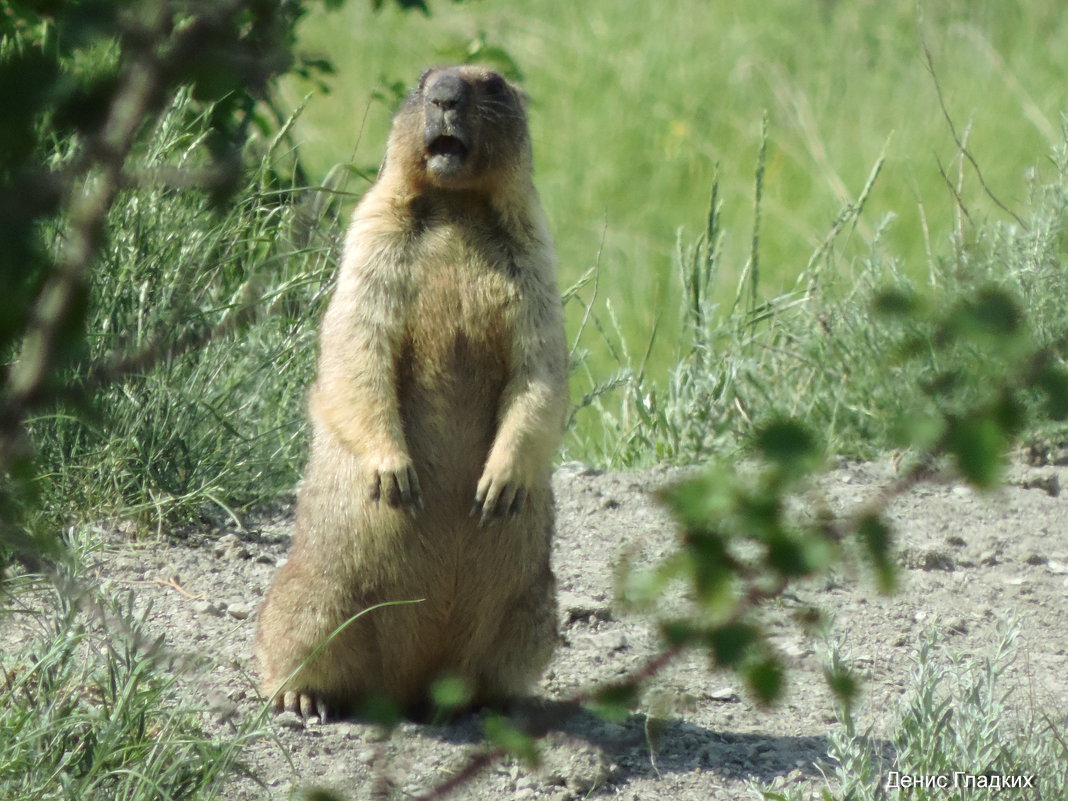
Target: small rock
(264,559)
(938,560)
(206,608)
(223,543)
(240,611)
(956,542)
(574,607)
(724,695)
(223,710)
(1050,484)
(796,649)
(610,641)
(348,729)
(574,764)
(289,720)
(1056,568)
(1036,559)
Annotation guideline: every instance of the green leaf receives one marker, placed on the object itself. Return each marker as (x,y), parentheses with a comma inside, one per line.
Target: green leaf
(450,693)
(614,702)
(896,302)
(731,642)
(992,316)
(1053,381)
(380,710)
(788,443)
(877,538)
(843,684)
(760,512)
(978,443)
(797,554)
(711,569)
(697,502)
(504,734)
(785,556)
(642,587)
(996,312)
(678,633)
(318,794)
(765,677)
(414,5)
(27,80)
(916,430)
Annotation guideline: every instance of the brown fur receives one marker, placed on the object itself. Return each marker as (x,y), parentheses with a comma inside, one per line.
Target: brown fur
(441,392)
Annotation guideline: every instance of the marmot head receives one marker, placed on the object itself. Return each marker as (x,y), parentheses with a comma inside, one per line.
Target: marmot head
(461,128)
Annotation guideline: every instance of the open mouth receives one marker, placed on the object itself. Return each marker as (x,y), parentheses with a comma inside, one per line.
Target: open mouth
(445,154)
(448,146)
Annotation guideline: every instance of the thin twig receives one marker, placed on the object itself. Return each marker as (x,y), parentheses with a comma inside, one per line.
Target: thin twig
(960,145)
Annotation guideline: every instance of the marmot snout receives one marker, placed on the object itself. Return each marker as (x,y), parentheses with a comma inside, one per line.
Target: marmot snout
(473,125)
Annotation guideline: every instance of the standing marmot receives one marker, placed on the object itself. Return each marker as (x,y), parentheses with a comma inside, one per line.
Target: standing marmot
(439,403)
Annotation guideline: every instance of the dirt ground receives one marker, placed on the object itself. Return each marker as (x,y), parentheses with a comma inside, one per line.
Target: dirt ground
(971,561)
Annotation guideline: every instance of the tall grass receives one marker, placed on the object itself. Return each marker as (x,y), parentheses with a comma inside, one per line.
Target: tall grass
(219,423)
(821,352)
(638,108)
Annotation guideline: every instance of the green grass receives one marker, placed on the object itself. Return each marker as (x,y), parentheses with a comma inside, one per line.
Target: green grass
(956,714)
(638,108)
(91,706)
(683,334)
(688,327)
(822,354)
(219,422)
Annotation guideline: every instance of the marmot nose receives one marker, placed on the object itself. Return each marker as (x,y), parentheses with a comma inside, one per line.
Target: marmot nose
(447,91)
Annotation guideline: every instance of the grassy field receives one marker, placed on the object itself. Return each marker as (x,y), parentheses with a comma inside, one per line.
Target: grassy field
(638,108)
(638,112)
(635,118)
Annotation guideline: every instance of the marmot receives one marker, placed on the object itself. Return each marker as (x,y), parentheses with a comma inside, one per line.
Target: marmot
(439,402)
